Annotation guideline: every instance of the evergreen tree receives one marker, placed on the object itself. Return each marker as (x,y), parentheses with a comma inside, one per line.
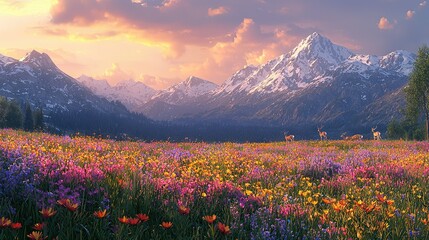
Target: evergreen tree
(39,124)
(417,91)
(3,109)
(28,119)
(13,117)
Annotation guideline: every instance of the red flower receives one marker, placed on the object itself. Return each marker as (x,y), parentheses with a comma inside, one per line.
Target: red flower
(133,221)
(223,229)
(47,212)
(142,217)
(100,214)
(5,222)
(36,236)
(184,210)
(166,225)
(16,225)
(38,226)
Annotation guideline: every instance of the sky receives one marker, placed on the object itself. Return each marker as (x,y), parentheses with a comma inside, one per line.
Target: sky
(162,42)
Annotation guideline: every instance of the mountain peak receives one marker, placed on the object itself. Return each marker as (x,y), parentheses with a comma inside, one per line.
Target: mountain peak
(316,46)
(39,59)
(194,81)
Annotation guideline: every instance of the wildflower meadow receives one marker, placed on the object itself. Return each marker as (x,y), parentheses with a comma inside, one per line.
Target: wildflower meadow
(61,187)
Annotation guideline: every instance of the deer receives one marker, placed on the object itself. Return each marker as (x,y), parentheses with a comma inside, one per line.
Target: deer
(322,135)
(377,135)
(353,138)
(289,138)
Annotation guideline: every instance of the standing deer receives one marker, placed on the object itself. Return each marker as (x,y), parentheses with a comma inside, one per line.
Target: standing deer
(377,135)
(353,138)
(289,138)
(322,135)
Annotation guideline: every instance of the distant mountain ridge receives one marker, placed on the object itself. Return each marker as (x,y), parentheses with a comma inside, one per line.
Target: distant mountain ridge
(316,83)
(130,93)
(66,103)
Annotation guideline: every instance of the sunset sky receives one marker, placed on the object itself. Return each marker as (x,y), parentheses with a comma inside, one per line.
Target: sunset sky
(162,42)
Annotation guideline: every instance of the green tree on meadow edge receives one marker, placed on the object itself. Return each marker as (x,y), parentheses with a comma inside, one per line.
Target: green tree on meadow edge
(3,109)
(13,116)
(28,118)
(39,124)
(417,91)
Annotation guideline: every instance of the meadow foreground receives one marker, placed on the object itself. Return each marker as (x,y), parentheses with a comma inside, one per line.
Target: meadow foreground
(57,187)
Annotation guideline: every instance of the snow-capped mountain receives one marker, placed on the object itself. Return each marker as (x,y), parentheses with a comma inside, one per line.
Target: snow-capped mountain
(130,93)
(317,82)
(179,99)
(292,71)
(185,91)
(36,79)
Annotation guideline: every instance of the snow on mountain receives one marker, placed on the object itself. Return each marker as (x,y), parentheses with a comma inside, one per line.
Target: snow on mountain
(130,93)
(185,91)
(397,62)
(39,60)
(35,78)
(5,59)
(292,71)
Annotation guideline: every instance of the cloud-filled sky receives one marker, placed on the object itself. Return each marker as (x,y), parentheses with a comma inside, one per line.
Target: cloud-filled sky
(162,42)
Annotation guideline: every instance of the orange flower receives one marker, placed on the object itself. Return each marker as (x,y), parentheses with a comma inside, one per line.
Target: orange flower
(38,226)
(381,198)
(166,225)
(72,207)
(16,225)
(223,228)
(328,200)
(369,208)
(133,221)
(47,212)
(142,217)
(36,236)
(184,210)
(210,219)
(5,222)
(100,214)
(68,204)
(390,202)
(123,219)
(63,202)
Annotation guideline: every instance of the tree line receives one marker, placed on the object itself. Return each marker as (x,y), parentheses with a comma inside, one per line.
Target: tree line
(12,115)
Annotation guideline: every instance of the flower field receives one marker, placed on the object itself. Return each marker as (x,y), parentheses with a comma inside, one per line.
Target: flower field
(57,187)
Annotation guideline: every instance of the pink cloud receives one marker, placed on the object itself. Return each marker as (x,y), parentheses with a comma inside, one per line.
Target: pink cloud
(410,14)
(217,11)
(385,24)
(423,4)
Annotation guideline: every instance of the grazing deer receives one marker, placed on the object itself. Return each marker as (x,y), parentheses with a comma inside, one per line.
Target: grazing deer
(377,135)
(322,135)
(289,138)
(353,138)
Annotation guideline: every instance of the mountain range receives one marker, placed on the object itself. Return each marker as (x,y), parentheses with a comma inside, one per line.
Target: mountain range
(317,83)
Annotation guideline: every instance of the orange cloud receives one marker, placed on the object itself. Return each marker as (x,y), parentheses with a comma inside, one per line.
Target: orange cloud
(385,24)
(410,14)
(217,11)
(114,75)
(248,44)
